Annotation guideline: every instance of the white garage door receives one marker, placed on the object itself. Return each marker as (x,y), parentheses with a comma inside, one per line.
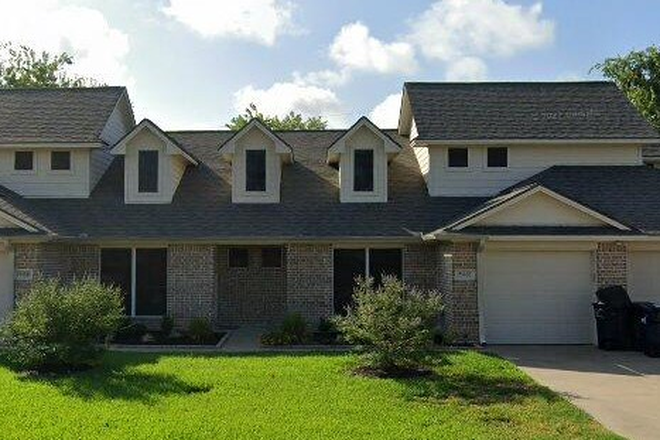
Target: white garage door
(644,276)
(6,284)
(535,297)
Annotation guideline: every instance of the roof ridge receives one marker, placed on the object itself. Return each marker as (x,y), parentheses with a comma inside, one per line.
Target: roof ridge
(540,82)
(59,89)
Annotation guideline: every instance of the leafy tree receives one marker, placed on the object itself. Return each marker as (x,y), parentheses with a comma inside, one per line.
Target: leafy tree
(292,121)
(637,74)
(22,66)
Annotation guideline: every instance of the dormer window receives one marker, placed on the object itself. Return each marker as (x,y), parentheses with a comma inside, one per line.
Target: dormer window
(24,160)
(255,170)
(148,171)
(497,157)
(60,160)
(363,179)
(457,157)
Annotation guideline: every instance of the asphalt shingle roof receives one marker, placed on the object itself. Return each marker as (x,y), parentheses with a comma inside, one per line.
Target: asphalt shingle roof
(55,115)
(525,110)
(202,208)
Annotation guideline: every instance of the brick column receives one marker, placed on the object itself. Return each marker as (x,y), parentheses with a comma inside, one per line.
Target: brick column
(191,282)
(461,303)
(420,265)
(309,281)
(611,264)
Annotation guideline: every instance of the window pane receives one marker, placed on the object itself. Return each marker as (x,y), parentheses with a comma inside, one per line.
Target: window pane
(363,177)
(60,160)
(238,257)
(348,264)
(271,257)
(498,157)
(150,282)
(116,271)
(458,157)
(255,169)
(148,172)
(23,160)
(384,262)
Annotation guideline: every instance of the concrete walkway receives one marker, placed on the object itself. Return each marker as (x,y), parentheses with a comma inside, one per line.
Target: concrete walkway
(619,389)
(243,340)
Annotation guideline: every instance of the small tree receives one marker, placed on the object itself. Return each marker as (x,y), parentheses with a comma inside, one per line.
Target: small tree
(22,66)
(392,325)
(292,121)
(58,327)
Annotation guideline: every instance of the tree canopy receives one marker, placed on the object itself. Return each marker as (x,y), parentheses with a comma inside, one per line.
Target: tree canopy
(292,121)
(22,66)
(637,74)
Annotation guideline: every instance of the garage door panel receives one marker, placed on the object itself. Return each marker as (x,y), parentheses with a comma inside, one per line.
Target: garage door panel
(644,276)
(537,297)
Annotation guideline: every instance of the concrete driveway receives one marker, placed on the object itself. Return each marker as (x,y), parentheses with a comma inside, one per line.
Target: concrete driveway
(619,389)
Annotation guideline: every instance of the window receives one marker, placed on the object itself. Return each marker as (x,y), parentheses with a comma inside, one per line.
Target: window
(271,257)
(60,160)
(457,157)
(383,262)
(24,160)
(363,175)
(141,275)
(498,157)
(238,257)
(148,171)
(255,170)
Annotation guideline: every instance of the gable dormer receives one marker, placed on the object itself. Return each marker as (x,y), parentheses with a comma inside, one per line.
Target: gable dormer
(256,155)
(362,155)
(153,164)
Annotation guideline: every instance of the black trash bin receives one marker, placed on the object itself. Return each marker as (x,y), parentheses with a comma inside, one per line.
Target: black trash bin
(647,328)
(614,319)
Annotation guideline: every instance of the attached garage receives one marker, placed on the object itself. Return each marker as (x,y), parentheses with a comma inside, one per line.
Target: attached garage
(536,296)
(644,275)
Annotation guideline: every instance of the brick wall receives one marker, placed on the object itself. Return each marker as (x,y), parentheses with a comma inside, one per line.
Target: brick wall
(191,282)
(420,265)
(309,280)
(48,260)
(461,302)
(611,264)
(253,294)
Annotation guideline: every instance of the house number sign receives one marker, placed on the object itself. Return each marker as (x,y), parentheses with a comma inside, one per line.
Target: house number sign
(465,275)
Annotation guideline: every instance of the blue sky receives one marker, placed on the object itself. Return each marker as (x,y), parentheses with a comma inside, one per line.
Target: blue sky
(194,63)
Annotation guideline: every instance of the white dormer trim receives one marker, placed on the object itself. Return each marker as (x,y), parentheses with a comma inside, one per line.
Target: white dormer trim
(228,149)
(171,147)
(339,146)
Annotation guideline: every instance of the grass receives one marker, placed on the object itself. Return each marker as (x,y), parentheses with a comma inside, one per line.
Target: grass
(312,396)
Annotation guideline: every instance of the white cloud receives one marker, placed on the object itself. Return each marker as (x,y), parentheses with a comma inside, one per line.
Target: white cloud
(466,69)
(386,114)
(98,48)
(284,97)
(354,48)
(260,21)
(324,78)
(452,29)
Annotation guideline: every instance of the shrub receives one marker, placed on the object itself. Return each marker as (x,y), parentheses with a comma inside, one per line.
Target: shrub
(166,326)
(391,324)
(200,331)
(293,331)
(327,332)
(129,331)
(58,327)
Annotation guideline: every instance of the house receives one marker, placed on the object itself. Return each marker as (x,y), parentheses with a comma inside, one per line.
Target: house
(515,200)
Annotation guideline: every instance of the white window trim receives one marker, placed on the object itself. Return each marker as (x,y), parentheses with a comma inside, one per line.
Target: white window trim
(35,163)
(508,159)
(148,194)
(450,169)
(373,173)
(60,172)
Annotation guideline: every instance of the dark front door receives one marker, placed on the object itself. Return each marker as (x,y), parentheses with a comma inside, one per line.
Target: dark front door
(150,282)
(384,262)
(348,264)
(116,271)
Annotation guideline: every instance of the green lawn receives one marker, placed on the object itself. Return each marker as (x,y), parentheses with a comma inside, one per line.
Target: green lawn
(311,396)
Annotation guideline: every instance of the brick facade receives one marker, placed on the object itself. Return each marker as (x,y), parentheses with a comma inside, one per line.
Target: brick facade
(461,297)
(420,266)
(49,260)
(309,279)
(191,282)
(253,294)
(611,264)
